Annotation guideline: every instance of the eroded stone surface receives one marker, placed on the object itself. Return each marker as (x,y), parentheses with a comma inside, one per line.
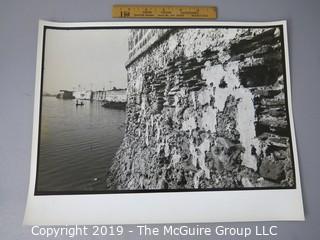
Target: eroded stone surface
(206,109)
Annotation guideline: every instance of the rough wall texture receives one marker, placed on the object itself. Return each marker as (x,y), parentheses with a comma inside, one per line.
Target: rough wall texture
(206,109)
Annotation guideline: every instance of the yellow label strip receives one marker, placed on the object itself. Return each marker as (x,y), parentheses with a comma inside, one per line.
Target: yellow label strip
(164,11)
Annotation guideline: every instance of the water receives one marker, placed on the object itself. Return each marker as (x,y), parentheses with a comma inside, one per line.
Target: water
(77,145)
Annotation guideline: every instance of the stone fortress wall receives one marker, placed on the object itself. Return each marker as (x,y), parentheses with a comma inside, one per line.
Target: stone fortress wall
(206,109)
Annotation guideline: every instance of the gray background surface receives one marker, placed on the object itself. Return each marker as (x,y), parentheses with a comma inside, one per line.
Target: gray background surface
(18,35)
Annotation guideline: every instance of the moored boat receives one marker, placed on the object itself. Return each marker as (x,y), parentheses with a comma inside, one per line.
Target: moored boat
(114,105)
(79,103)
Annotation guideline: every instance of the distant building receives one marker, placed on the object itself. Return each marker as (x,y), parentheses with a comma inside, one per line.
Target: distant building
(65,94)
(99,95)
(83,95)
(114,95)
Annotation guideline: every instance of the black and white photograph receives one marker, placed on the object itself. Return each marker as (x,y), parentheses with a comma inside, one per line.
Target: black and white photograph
(163,109)
(158,113)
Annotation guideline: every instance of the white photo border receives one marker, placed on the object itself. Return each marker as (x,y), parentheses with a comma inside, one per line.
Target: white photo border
(161,207)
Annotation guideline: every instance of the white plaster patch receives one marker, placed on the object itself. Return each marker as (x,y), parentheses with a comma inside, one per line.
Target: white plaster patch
(143,104)
(166,149)
(196,178)
(246,128)
(175,158)
(204,147)
(208,120)
(246,111)
(193,153)
(214,75)
(158,131)
(189,123)
(205,95)
(147,133)
(139,83)
(172,42)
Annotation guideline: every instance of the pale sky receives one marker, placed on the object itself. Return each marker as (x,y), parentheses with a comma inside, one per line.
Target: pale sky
(89,58)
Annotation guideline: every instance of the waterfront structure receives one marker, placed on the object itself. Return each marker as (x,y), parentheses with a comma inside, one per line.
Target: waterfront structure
(65,94)
(206,109)
(99,95)
(114,95)
(83,95)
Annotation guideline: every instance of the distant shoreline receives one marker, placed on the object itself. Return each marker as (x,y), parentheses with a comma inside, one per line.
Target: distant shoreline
(49,95)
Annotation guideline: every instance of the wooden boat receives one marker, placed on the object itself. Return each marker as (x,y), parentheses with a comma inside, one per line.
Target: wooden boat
(79,104)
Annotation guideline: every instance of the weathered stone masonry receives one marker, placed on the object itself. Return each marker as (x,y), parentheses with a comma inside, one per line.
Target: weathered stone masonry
(206,109)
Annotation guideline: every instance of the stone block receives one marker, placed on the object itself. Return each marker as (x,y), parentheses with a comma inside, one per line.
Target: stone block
(272,169)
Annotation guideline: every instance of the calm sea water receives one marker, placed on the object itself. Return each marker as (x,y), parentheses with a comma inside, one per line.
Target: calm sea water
(77,145)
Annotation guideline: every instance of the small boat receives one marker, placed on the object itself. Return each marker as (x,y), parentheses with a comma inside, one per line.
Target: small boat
(114,105)
(79,103)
